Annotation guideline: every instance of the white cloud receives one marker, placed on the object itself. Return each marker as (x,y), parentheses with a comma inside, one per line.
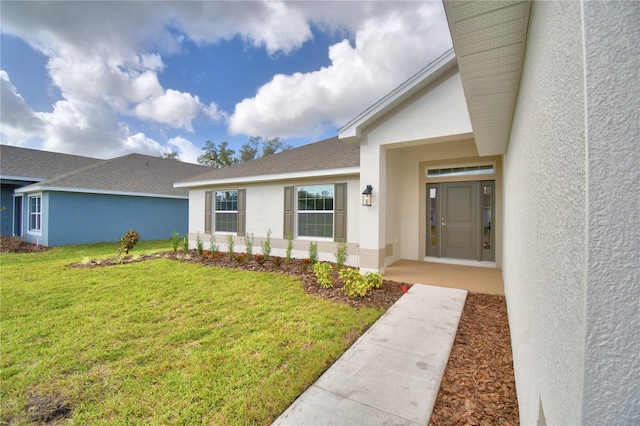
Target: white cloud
(106,58)
(174,108)
(186,150)
(388,49)
(19,122)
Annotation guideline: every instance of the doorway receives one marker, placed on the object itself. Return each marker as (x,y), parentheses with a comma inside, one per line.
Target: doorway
(459,220)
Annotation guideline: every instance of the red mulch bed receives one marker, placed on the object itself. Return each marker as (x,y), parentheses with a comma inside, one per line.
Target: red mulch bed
(478,385)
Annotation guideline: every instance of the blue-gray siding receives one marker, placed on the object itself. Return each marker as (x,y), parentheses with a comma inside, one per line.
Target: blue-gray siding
(77,218)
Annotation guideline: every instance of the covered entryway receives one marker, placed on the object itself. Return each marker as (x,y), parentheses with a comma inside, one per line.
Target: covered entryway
(459,220)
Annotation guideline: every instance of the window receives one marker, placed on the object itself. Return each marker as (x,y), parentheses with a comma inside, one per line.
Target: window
(461,171)
(35,213)
(315,211)
(226,211)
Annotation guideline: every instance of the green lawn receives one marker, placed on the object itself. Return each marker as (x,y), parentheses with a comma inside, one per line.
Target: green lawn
(160,341)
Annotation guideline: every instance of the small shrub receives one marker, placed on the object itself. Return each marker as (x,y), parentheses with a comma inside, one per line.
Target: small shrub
(230,245)
(212,244)
(248,242)
(373,279)
(277,262)
(305,265)
(175,241)
(127,242)
(266,246)
(287,258)
(259,258)
(240,258)
(355,284)
(313,252)
(341,255)
(324,275)
(199,244)
(185,243)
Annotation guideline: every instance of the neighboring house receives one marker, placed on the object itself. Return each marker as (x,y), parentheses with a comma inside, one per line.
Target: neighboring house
(57,199)
(518,149)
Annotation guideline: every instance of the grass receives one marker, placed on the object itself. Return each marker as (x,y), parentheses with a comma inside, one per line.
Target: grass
(160,342)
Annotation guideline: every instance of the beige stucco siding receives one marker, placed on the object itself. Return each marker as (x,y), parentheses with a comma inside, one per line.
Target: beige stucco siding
(265,211)
(544,224)
(440,110)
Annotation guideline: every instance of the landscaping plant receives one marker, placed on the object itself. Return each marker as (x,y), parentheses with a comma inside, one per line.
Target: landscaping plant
(127,242)
(324,274)
(175,241)
(199,245)
(341,255)
(266,246)
(313,253)
(287,257)
(230,245)
(185,243)
(248,242)
(213,247)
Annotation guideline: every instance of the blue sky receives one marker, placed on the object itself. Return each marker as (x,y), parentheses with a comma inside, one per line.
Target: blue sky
(105,79)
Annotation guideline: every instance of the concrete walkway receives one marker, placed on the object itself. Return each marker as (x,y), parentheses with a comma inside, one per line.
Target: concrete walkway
(392,374)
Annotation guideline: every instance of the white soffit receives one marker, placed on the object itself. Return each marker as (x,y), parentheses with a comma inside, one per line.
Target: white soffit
(352,130)
(489,39)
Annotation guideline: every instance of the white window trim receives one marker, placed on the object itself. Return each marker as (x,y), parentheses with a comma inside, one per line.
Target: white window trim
(215,212)
(30,231)
(298,211)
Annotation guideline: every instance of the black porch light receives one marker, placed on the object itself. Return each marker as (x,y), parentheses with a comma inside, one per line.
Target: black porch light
(366,196)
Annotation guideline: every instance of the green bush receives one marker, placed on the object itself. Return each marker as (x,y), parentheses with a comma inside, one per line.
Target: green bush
(287,258)
(230,245)
(323,273)
(213,247)
(341,255)
(373,279)
(313,253)
(355,284)
(127,242)
(266,246)
(175,241)
(199,245)
(248,242)
(185,243)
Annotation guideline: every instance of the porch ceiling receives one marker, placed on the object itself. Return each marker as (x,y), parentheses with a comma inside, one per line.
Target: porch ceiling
(489,40)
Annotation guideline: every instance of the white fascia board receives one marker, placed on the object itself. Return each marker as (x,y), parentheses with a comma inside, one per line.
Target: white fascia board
(22,178)
(352,130)
(271,178)
(37,188)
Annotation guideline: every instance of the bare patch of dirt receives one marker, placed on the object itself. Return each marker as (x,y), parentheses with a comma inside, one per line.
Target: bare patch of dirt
(18,245)
(47,409)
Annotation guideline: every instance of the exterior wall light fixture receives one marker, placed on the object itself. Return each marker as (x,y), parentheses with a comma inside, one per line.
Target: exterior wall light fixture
(367,196)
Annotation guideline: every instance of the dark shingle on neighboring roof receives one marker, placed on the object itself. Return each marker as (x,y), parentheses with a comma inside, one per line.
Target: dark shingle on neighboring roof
(133,173)
(323,155)
(33,163)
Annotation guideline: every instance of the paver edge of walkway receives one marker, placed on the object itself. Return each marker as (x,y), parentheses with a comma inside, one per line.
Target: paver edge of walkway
(364,387)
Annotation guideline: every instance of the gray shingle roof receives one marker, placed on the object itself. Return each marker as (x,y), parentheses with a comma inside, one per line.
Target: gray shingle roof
(32,163)
(327,154)
(133,173)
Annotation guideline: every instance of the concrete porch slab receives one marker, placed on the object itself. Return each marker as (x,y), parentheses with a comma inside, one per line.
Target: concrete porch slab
(392,374)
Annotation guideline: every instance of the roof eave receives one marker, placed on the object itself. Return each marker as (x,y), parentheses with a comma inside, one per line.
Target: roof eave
(489,39)
(39,188)
(346,171)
